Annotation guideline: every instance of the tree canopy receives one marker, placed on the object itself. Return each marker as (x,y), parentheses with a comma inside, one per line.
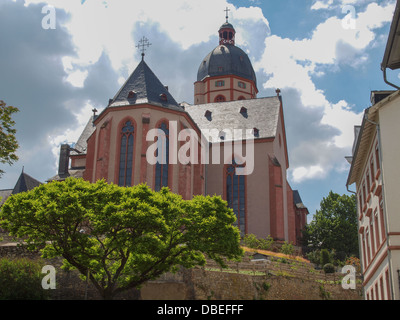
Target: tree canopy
(8,141)
(122,237)
(334,226)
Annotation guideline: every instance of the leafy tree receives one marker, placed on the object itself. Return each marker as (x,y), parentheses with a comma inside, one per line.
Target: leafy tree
(122,237)
(8,142)
(334,226)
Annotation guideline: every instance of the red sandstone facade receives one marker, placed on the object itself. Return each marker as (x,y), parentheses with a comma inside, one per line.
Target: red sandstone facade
(115,144)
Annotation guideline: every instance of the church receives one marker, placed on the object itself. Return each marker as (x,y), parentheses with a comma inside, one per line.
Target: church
(229,143)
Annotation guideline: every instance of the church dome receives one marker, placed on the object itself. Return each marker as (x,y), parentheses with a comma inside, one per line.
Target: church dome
(226,60)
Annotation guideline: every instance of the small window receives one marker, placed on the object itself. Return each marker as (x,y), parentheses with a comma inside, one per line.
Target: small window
(243,112)
(208,115)
(242,85)
(131,94)
(220,83)
(220,98)
(163,97)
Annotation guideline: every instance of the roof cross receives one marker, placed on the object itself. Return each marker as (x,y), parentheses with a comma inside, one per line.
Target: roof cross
(143,43)
(227,13)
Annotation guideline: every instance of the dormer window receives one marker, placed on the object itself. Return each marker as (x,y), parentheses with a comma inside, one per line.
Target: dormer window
(256,132)
(208,115)
(243,111)
(163,97)
(131,94)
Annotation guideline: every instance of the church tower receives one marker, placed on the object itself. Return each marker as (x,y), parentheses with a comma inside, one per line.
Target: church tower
(226,73)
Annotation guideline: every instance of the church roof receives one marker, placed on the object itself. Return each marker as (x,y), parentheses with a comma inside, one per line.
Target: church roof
(297,199)
(226,60)
(258,115)
(143,86)
(80,146)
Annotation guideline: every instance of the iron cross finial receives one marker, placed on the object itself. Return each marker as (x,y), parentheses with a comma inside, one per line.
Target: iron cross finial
(143,43)
(227,13)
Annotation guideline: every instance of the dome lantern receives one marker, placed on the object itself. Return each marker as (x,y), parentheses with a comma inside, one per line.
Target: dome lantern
(227,32)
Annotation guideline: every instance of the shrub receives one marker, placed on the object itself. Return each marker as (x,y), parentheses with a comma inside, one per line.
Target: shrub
(251,241)
(314,256)
(287,248)
(325,257)
(329,268)
(21,279)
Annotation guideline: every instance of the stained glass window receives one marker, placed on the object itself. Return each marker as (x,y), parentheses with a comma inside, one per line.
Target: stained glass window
(161,176)
(126,155)
(236,195)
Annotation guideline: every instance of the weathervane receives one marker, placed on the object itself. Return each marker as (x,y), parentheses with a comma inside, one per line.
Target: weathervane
(143,43)
(227,14)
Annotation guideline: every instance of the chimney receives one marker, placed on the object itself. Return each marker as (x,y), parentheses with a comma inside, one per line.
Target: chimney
(64,161)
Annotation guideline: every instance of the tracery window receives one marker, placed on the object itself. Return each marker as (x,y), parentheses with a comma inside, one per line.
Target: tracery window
(162,169)
(126,155)
(236,195)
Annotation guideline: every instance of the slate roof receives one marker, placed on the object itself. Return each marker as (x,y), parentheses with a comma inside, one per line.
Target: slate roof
(74,173)
(261,114)
(226,60)
(297,199)
(147,88)
(25,183)
(4,194)
(81,144)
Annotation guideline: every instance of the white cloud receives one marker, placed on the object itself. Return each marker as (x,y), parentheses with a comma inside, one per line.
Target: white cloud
(293,64)
(312,172)
(70,136)
(321,5)
(111,29)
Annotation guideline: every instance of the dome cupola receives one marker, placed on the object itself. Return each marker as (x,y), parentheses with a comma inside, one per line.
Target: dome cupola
(226,73)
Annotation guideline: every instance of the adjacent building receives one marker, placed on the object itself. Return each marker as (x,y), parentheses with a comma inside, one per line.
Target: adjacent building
(375,171)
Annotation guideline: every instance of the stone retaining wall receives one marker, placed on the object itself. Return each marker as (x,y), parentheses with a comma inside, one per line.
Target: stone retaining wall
(247,280)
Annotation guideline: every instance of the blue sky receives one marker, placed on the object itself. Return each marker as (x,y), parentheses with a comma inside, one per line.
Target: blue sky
(324,69)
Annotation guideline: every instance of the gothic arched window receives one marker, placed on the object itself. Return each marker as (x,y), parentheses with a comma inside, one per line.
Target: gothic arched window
(162,169)
(126,155)
(236,194)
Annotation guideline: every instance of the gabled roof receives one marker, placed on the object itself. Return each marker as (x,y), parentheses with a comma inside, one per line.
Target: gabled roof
(25,183)
(143,86)
(261,114)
